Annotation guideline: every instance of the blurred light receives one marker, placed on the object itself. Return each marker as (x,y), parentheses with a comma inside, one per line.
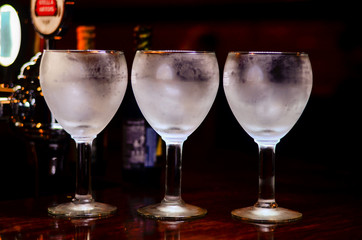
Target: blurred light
(10,35)
(4,100)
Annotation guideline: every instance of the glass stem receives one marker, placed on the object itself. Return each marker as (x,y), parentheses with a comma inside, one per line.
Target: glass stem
(266,195)
(173,172)
(83,189)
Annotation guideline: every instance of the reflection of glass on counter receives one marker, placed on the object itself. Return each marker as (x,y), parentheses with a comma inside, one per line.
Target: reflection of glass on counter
(83,228)
(171,230)
(265,231)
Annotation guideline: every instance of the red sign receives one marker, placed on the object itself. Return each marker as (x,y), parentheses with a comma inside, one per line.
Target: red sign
(46,7)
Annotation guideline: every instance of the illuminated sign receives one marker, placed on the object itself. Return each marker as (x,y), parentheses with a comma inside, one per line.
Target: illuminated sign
(10,35)
(47,15)
(46,8)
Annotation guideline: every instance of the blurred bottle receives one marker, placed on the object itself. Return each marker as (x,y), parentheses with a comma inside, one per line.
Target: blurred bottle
(86,37)
(31,119)
(142,147)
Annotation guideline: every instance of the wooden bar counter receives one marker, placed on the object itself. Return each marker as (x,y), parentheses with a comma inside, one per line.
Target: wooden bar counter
(331,207)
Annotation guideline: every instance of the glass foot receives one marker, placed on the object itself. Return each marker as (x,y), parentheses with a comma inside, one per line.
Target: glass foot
(172,211)
(266,215)
(82,210)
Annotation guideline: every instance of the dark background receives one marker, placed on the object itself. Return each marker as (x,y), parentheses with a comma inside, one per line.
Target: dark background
(326,137)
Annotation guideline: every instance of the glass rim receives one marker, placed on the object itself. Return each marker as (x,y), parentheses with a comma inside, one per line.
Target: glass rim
(82,51)
(269,53)
(175,51)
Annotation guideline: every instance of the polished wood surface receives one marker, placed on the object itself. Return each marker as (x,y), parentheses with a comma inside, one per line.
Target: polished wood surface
(331,207)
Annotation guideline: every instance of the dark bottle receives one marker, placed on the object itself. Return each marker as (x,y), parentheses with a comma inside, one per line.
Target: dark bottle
(142,147)
(31,119)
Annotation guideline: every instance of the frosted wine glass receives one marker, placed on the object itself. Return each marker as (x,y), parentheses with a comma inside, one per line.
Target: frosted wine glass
(267,93)
(83,90)
(174,90)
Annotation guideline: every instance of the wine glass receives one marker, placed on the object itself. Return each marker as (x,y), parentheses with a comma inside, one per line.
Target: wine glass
(174,90)
(83,90)
(267,93)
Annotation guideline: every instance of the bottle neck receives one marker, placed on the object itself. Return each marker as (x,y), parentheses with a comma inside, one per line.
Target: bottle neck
(86,36)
